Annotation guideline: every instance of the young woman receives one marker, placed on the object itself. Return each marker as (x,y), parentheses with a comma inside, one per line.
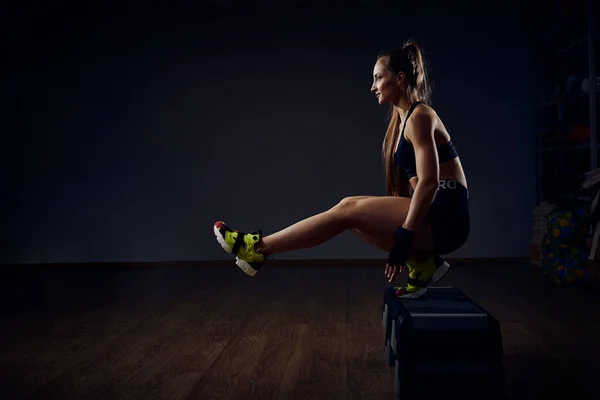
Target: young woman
(426,211)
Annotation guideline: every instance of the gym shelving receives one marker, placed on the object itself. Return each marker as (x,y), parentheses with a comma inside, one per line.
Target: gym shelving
(566,136)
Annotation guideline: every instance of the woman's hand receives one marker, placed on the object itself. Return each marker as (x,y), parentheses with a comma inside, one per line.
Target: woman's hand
(396,261)
(391,272)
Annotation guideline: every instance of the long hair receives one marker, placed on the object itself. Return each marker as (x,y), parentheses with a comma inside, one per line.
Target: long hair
(408,59)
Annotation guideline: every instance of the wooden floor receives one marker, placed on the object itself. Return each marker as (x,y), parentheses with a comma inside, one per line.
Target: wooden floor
(290,333)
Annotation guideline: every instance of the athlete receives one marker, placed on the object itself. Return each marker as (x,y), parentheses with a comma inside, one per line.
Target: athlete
(425,213)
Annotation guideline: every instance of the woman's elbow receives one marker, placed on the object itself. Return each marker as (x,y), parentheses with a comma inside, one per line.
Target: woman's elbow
(429,184)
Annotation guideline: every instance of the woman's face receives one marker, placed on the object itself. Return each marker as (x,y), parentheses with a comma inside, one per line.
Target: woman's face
(386,84)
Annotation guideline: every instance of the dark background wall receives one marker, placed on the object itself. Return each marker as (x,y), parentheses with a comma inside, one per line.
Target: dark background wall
(127,131)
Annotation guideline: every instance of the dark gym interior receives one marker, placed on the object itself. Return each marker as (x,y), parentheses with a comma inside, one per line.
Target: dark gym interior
(129,128)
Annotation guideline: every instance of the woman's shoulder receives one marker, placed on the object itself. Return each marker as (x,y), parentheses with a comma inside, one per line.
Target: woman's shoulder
(428,122)
(425,110)
(423,120)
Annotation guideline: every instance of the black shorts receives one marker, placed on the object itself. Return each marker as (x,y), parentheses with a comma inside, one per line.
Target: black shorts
(449,216)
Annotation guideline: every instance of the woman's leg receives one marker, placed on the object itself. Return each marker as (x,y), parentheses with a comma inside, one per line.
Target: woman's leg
(373,218)
(371,240)
(377,217)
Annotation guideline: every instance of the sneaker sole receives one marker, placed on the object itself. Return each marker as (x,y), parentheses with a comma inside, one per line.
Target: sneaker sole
(227,248)
(413,295)
(243,265)
(440,272)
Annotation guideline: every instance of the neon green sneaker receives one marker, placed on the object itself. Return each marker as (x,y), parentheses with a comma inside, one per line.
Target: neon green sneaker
(242,245)
(419,276)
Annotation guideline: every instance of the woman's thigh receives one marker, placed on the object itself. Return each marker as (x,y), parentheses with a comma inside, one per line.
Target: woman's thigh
(370,239)
(449,217)
(378,218)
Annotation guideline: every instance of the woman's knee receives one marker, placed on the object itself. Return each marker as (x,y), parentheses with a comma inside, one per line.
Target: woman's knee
(347,202)
(347,206)
(350,200)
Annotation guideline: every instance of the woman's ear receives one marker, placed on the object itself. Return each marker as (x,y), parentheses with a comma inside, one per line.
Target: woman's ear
(400,78)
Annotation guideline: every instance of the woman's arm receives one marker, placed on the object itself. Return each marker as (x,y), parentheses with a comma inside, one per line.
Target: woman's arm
(422,139)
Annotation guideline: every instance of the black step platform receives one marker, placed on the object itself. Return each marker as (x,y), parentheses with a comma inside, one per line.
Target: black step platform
(443,342)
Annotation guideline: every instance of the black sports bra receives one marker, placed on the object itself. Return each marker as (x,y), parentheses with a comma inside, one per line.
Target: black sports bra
(404,156)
